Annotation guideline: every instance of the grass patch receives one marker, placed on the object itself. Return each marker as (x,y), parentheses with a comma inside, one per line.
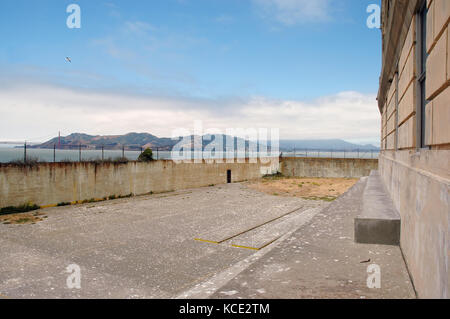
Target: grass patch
(121,160)
(95,200)
(120,196)
(63,204)
(275,176)
(126,196)
(30,162)
(96,161)
(19,209)
(325,198)
(86,201)
(22,218)
(25,220)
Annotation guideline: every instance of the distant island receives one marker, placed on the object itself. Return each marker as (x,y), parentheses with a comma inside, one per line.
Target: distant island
(145,140)
(110,142)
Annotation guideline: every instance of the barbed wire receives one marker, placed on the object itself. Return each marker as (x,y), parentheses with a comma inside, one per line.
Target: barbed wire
(130,152)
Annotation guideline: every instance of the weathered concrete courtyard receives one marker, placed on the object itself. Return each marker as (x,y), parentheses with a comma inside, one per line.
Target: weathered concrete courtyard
(197,243)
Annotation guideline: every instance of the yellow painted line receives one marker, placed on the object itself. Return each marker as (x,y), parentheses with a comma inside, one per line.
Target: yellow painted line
(238,246)
(253,248)
(248,230)
(245,247)
(48,206)
(4,297)
(270,242)
(206,241)
(258,226)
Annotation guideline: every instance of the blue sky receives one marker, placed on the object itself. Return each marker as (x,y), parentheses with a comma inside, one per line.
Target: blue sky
(210,60)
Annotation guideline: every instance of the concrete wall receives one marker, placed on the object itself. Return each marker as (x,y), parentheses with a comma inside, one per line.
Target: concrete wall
(418,178)
(327,167)
(419,185)
(53,183)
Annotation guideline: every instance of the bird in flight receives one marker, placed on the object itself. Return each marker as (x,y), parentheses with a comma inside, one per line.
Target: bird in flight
(68,59)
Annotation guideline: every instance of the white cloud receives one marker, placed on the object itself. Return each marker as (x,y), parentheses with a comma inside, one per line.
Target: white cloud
(30,111)
(111,46)
(291,12)
(139,27)
(224,19)
(113,9)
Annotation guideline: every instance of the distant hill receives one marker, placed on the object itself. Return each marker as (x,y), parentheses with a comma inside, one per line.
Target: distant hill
(144,140)
(112,142)
(332,144)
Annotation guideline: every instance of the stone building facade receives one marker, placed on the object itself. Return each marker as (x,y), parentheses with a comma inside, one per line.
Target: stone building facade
(414,102)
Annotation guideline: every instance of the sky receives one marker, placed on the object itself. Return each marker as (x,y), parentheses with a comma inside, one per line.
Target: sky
(309,68)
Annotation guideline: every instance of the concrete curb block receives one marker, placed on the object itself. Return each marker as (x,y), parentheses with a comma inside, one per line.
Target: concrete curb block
(379,222)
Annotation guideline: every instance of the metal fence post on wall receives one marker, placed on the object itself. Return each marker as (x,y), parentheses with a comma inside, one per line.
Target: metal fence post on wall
(25,152)
(123,151)
(54,153)
(103,153)
(79,152)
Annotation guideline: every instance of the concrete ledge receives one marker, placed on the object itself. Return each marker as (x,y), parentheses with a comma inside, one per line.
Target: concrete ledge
(379,222)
